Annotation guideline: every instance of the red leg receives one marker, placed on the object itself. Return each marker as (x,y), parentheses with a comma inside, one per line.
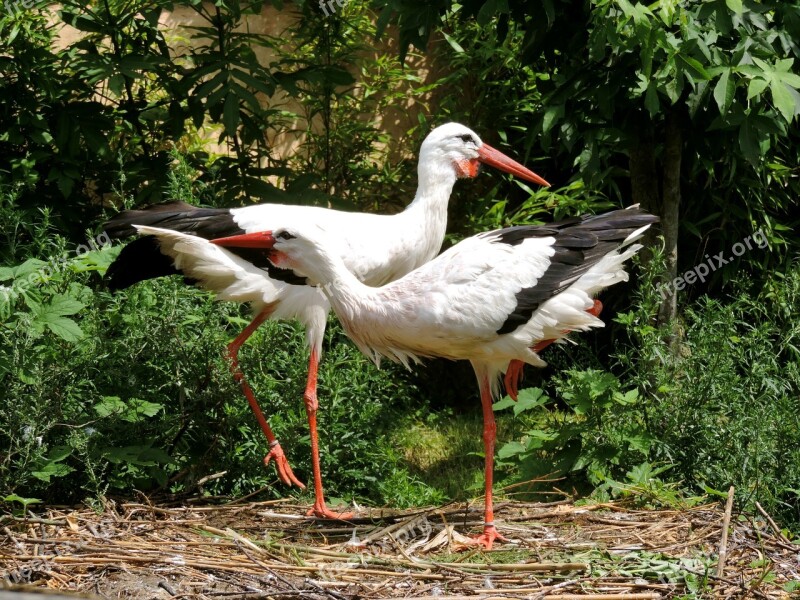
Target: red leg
(310,397)
(275,451)
(514,372)
(513,378)
(596,309)
(490,533)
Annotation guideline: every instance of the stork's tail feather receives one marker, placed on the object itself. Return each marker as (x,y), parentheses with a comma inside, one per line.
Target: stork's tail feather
(142,258)
(623,226)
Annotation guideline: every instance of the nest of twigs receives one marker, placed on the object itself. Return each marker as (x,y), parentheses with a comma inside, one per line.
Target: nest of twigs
(273,550)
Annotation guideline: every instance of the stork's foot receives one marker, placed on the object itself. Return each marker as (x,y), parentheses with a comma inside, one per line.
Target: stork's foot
(285,472)
(487,538)
(323,512)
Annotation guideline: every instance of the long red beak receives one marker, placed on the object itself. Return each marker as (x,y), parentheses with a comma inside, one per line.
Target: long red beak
(498,160)
(260,239)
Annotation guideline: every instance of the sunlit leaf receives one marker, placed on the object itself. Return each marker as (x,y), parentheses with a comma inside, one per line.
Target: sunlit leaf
(735,5)
(783,99)
(724,91)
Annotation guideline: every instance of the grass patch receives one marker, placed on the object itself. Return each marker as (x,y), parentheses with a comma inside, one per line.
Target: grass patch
(444,450)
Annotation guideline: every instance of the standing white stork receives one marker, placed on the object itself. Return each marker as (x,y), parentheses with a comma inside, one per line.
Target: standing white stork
(491,299)
(376,248)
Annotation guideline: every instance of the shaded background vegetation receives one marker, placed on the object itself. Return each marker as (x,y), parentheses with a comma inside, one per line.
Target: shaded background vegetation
(687,107)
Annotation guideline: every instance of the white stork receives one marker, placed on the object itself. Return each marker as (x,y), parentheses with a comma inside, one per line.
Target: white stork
(376,248)
(492,299)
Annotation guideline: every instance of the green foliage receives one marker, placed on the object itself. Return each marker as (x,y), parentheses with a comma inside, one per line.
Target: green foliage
(690,571)
(25,502)
(722,408)
(599,432)
(608,83)
(346,152)
(720,412)
(105,393)
(124,94)
(725,410)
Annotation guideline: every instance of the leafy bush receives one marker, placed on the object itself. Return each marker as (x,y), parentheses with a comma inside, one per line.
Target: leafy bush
(725,411)
(599,431)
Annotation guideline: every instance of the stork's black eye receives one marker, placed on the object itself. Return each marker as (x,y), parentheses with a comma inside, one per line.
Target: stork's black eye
(467,138)
(285,235)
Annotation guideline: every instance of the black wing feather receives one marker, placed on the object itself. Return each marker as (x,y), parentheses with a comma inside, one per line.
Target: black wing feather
(142,259)
(139,260)
(208,223)
(579,244)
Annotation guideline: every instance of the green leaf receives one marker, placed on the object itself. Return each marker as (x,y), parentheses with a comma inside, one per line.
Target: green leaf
(383,21)
(792,586)
(756,87)
(53,315)
(789,79)
(629,397)
(88,22)
(96,260)
(503,404)
(695,67)
(143,456)
(110,405)
(453,43)
(723,91)
(52,469)
(641,443)
(255,83)
(510,449)
(59,453)
(538,438)
(735,6)
(64,305)
(141,408)
(21,500)
(65,328)
(651,101)
(29,266)
(748,142)
(551,116)
(133,411)
(230,115)
(783,99)
(490,9)
(529,398)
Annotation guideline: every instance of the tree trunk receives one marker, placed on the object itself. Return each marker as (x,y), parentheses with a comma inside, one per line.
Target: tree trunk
(669,215)
(664,202)
(644,177)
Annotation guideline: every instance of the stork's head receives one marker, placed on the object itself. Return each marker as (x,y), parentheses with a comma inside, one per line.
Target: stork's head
(297,249)
(454,148)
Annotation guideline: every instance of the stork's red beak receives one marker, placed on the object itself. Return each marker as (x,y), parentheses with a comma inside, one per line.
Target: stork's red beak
(498,160)
(260,239)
